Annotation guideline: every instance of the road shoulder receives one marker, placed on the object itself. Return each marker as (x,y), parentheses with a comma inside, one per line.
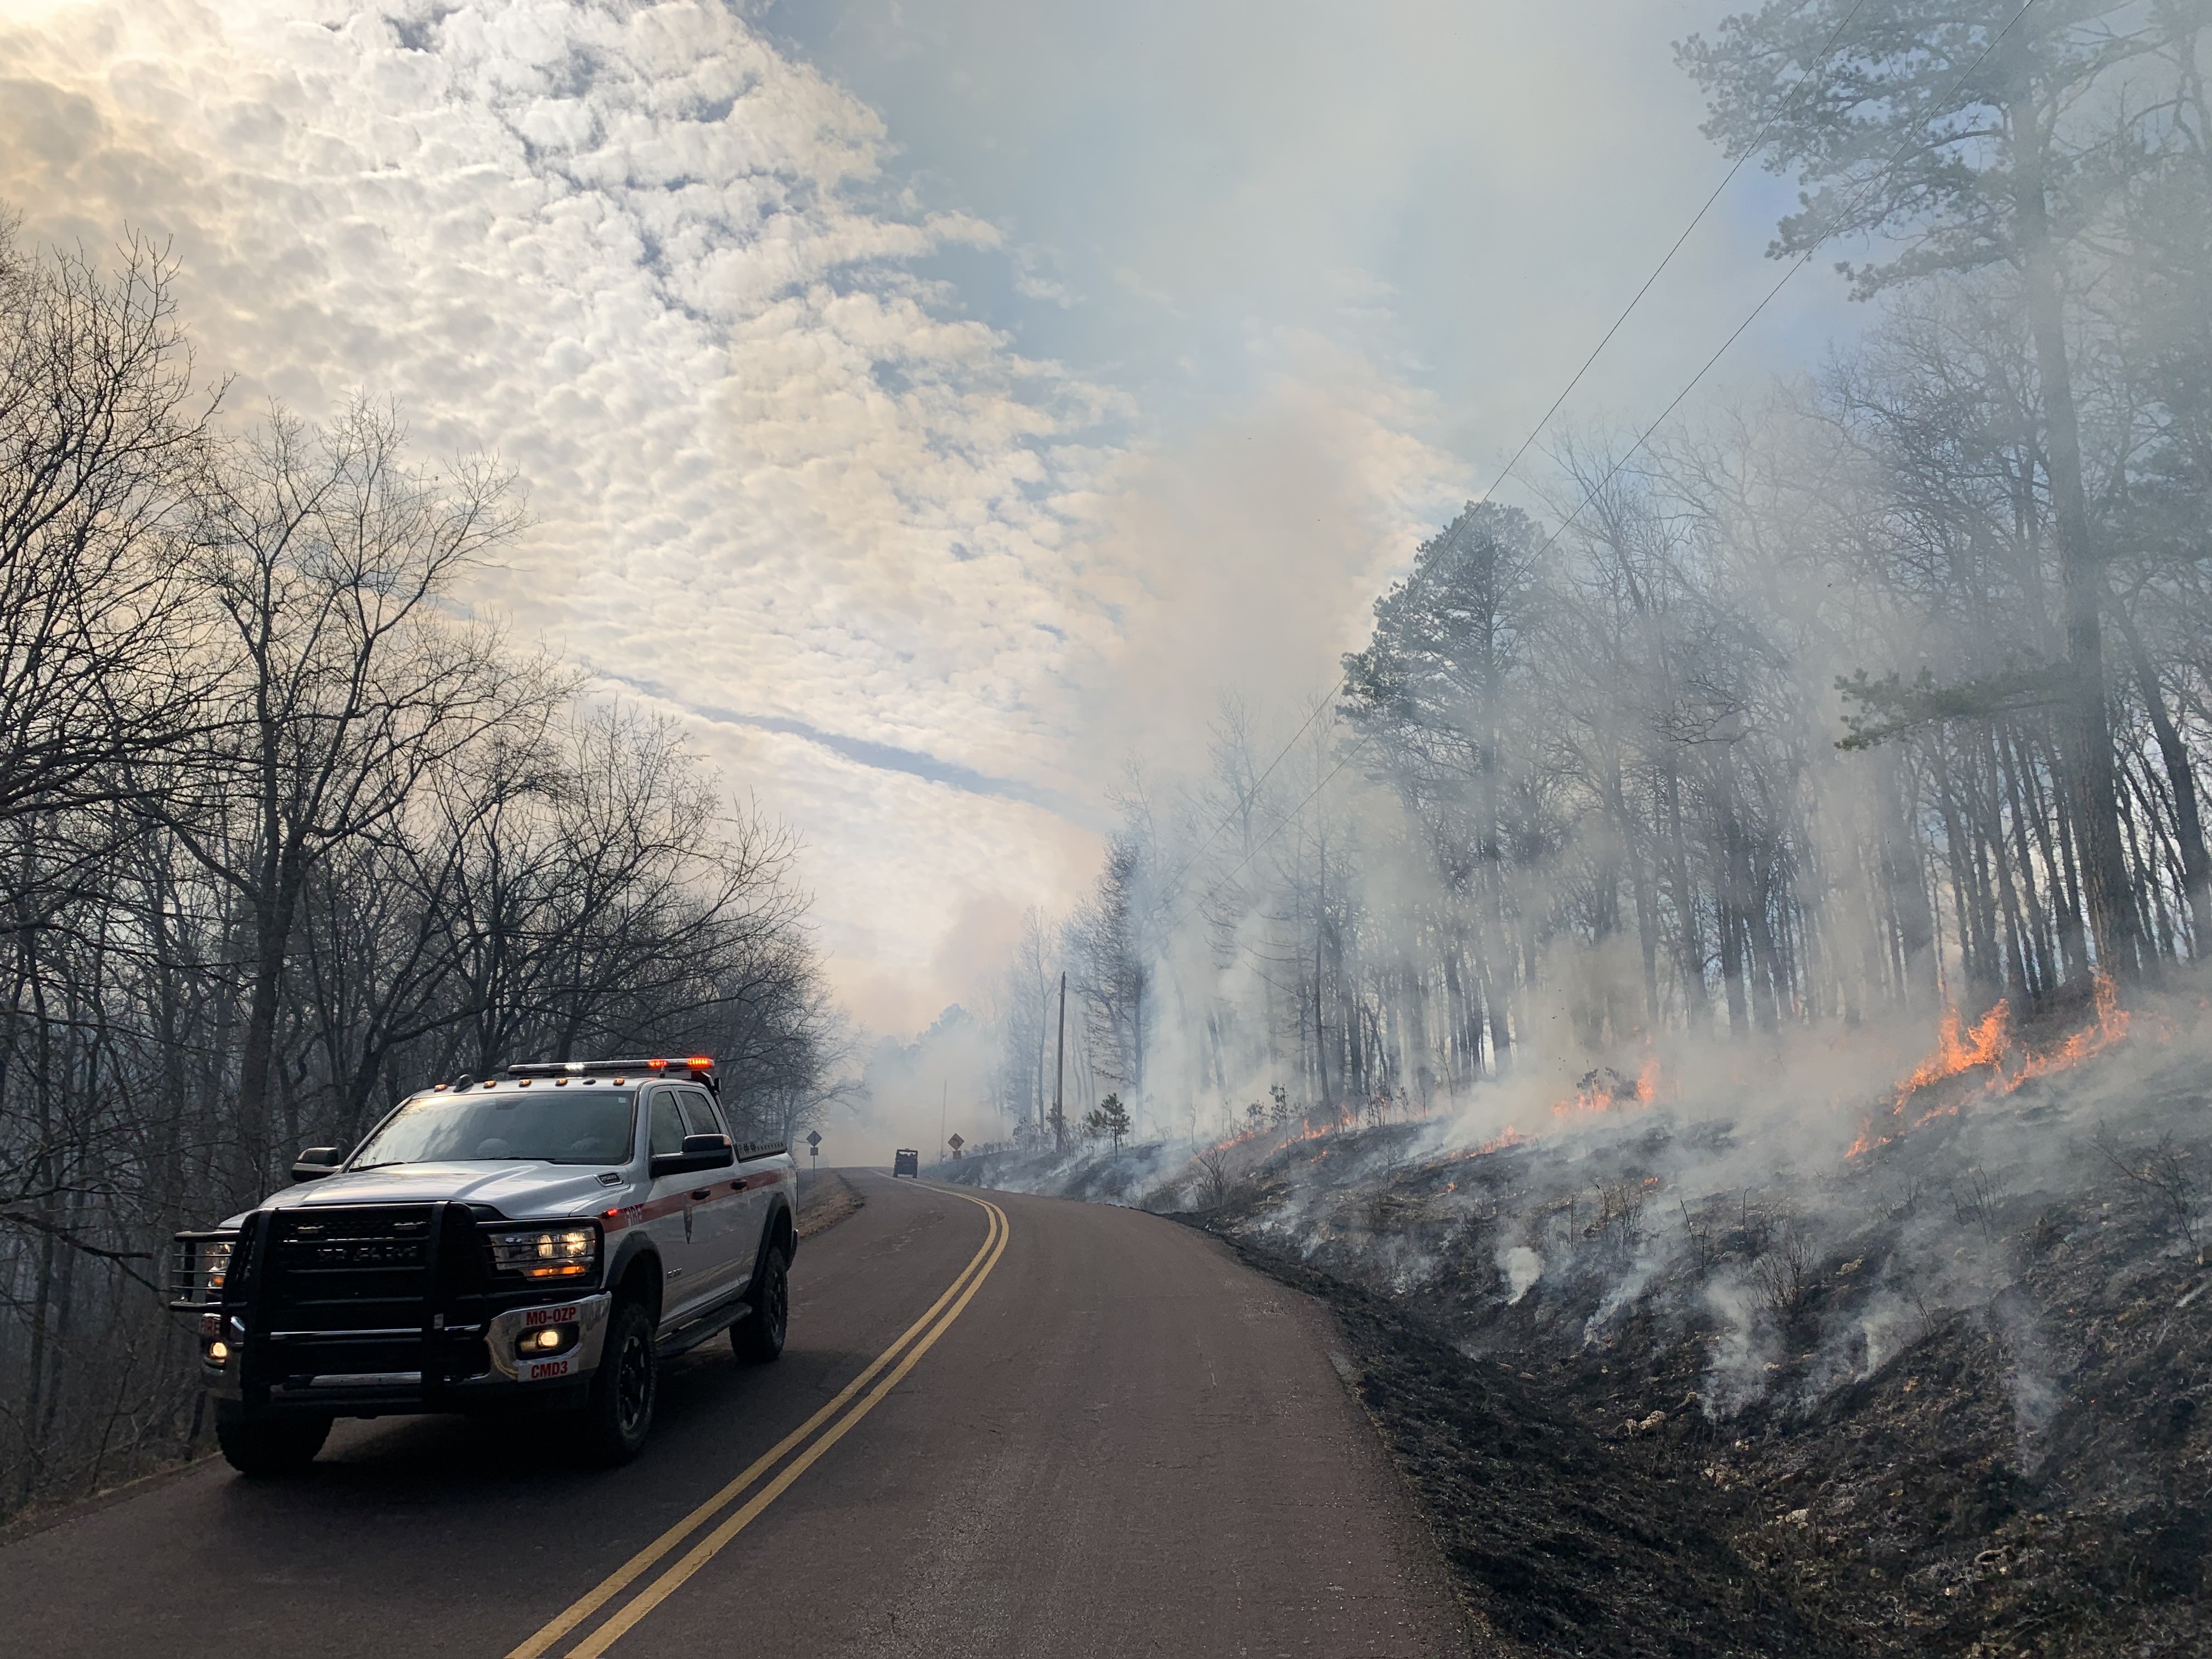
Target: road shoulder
(1415,1541)
(29,1525)
(824,1200)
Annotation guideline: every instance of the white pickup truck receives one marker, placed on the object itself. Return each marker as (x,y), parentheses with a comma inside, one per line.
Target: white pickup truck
(537,1241)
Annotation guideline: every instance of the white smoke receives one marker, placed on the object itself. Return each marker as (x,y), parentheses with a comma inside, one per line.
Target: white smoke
(1523,1267)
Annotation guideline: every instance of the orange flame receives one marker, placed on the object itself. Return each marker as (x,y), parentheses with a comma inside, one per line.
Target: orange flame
(1605,1090)
(1868,1140)
(2110,1026)
(1992,1043)
(1287,1137)
(1955,1053)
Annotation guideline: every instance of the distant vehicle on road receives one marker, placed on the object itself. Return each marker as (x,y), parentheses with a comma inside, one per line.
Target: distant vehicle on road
(906,1162)
(538,1241)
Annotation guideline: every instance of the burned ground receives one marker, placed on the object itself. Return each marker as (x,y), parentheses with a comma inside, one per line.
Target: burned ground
(1919,1406)
(1559,1542)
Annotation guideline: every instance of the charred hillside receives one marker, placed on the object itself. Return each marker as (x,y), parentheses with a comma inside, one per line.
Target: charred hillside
(1944,1396)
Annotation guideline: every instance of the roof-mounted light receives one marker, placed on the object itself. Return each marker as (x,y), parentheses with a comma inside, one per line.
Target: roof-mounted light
(701,1066)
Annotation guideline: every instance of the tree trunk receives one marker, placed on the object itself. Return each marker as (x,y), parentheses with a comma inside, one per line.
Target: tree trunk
(1690,945)
(2085,722)
(1908,888)
(1466,1032)
(255,1061)
(2010,765)
(2055,835)
(1352,1061)
(1414,993)
(1730,884)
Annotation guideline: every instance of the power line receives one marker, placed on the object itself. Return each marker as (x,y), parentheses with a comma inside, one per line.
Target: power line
(1644,437)
(1657,270)
(1536,431)
(1799,264)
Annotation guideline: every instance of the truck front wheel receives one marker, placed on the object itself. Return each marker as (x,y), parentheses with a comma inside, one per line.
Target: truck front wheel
(265,1447)
(618,1414)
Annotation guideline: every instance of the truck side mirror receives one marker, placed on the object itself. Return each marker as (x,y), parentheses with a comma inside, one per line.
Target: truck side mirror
(699,1153)
(314,1163)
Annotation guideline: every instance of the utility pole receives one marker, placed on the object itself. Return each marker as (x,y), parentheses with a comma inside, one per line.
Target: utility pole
(1059,1071)
(944,1094)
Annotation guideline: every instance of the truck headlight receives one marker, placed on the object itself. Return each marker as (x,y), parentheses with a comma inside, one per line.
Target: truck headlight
(547,1253)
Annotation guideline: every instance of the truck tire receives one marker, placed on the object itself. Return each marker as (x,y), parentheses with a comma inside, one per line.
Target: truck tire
(264,1448)
(758,1337)
(618,1414)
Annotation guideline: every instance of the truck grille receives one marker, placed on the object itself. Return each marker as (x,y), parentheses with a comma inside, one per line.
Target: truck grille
(361,1269)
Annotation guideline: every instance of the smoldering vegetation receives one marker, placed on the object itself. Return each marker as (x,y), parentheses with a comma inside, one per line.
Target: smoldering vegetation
(285,833)
(1941,1392)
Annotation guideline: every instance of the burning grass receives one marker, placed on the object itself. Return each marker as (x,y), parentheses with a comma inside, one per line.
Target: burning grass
(2002,1059)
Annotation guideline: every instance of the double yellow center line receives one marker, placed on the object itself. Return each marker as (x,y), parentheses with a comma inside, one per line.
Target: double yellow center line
(890,1366)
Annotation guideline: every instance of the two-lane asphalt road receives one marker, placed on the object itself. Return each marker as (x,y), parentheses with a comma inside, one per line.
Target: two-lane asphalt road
(1004,1426)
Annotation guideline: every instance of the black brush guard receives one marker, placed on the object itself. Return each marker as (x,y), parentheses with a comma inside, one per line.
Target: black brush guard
(339,1307)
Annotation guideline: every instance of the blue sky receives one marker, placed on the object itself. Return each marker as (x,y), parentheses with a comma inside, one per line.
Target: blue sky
(1465,192)
(935,403)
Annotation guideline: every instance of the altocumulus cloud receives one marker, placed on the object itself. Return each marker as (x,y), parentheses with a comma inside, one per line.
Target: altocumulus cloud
(657,266)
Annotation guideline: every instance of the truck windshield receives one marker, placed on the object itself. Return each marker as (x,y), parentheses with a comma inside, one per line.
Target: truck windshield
(568,1126)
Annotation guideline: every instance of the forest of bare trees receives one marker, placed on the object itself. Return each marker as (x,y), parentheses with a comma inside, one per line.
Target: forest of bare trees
(286,834)
(1887,689)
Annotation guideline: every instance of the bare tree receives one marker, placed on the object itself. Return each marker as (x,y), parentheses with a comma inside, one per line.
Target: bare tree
(324,557)
(1960,130)
(101,447)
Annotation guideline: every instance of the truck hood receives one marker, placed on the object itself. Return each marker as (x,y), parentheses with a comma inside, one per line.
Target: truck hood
(522,1190)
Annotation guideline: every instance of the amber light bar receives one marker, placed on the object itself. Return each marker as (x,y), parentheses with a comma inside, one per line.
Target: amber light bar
(700,1067)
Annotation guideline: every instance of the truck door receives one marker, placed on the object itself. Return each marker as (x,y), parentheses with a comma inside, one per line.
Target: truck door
(720,1206)
(669,1221)
(757,1189)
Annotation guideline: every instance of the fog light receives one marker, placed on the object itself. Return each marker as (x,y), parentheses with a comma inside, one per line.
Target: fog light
(550,1339)
(219,1351)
